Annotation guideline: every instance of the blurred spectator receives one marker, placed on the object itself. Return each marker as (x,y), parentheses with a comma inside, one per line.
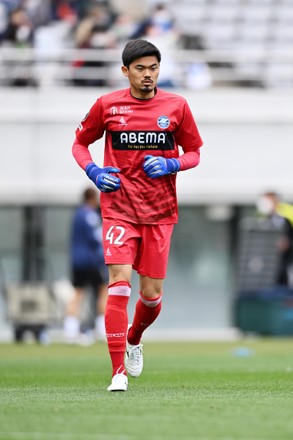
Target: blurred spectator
(64,10)
(19,33)
(123,27)
(38,11)
(285,210)
(197,73)
(93,32)
(267,207)
(159,29)
(160,17)
(3,20)
(88,267)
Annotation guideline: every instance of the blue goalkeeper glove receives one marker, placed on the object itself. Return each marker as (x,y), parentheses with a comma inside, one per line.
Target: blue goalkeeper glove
(102,177)
(156,166)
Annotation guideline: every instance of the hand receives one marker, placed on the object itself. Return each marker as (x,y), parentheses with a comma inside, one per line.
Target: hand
(102,177)
(156,166)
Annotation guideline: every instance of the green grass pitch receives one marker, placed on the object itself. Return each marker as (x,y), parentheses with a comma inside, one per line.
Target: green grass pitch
(204,391)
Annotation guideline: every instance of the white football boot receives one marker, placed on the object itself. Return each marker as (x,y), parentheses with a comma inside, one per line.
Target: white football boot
(133,359)
(119,383)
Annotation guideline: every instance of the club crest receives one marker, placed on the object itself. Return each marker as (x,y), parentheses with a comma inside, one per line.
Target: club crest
(163,122)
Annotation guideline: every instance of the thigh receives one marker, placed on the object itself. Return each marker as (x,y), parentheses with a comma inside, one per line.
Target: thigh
(152,258)
(121,241)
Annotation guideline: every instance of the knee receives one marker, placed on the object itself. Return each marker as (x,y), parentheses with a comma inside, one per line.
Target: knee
(151,289)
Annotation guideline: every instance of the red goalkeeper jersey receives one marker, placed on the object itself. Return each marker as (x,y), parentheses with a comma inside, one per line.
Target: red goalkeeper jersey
(135,128)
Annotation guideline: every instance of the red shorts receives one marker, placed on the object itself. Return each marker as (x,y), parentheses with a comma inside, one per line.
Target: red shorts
(145,247)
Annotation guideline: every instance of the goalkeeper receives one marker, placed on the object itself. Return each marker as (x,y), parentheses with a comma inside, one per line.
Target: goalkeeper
(144,127)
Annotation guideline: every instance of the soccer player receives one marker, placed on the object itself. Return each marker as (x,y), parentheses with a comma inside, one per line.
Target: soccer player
(87,267)
(144,127)
(270,207)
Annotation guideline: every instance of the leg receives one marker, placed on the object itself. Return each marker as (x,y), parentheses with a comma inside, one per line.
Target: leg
(116,318)
(71,322)
(122,241)
(102,296)
(147,308)
(73,307)
(151,264)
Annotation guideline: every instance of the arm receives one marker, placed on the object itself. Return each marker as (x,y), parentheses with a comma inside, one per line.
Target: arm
(189,160)
(81,154)
(89,130)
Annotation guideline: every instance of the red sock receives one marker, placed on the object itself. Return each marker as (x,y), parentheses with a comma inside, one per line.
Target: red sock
(146,311)
(116,323)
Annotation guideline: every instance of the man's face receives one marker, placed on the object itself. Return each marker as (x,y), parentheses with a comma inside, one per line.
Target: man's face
(143,75)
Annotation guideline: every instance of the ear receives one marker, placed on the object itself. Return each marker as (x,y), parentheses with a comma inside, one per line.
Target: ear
(125,71)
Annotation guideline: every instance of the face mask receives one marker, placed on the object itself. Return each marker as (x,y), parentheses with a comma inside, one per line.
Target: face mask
(265,206)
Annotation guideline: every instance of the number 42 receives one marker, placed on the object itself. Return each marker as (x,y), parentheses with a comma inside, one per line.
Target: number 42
(112,236)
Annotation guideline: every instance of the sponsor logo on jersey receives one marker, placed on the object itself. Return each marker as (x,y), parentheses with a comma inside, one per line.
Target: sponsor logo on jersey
(124,109)
(122,121)
(163,122)
(114,110)
(142,140)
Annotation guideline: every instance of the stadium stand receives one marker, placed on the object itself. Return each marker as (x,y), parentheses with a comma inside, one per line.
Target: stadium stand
(240,42)
(253,37)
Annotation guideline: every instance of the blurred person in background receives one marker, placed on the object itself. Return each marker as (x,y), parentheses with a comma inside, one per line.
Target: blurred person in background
(160,17)
(19,30)
(64,10)
(269,207)
(285,210)
(19,33)
(3,20)
(88,268)
(93,32)
(123,27)
(159,29)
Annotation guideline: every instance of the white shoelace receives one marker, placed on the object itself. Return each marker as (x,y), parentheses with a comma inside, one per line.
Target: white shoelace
(135,354)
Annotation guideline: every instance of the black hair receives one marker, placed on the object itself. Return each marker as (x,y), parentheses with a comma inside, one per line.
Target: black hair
(89,194)
(138,48)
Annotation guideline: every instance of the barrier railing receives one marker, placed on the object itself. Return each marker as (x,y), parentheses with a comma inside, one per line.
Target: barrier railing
(180,68)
